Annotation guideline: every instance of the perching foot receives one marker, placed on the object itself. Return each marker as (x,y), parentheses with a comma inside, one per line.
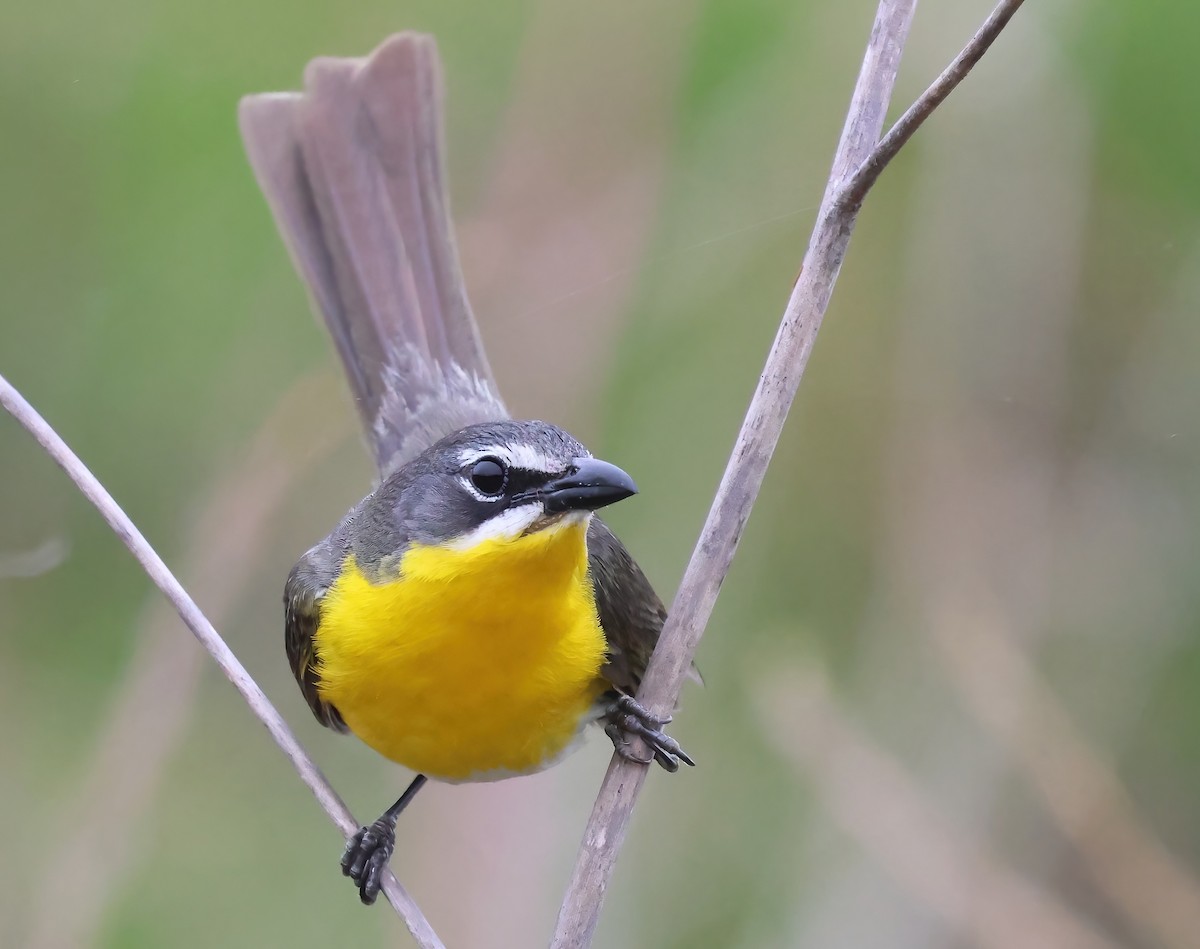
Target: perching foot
(367,853)
(625,718)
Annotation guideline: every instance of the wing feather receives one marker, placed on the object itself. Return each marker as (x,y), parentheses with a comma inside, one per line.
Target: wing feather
(630,612)
(302,606)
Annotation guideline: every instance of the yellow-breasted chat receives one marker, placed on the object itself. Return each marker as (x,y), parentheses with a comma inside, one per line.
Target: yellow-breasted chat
(471,616)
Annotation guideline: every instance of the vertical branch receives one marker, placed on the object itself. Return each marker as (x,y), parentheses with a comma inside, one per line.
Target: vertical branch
(744,474)
(857,163)
(203,630)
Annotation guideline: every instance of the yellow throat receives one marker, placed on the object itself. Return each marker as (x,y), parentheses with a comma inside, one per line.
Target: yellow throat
(471,664)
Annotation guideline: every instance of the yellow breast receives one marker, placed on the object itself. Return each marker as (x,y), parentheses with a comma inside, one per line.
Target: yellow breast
(471,664)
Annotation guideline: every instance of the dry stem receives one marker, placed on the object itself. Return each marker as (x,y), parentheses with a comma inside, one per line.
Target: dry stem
(860,158)
(196,621)
(93,854)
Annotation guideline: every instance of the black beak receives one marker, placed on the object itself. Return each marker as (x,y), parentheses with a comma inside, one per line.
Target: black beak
(588,485)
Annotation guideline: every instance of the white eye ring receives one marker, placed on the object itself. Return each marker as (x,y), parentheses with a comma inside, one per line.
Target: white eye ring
(488,478)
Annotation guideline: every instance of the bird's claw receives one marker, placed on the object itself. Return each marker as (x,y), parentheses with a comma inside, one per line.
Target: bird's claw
(366,856)
(626,719)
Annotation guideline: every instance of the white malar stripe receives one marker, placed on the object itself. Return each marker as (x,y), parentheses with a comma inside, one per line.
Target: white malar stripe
(504,526)
(525,457)
(512,523)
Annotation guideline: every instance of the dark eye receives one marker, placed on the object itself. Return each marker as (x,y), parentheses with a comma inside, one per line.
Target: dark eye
(489,476)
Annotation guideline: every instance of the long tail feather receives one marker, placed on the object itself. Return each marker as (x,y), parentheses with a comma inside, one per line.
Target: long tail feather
(352,170)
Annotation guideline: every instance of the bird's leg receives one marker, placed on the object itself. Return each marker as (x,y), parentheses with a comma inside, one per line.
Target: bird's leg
(625,718)
(369,850)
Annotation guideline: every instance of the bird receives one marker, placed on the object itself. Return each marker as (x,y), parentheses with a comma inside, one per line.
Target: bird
(472,616)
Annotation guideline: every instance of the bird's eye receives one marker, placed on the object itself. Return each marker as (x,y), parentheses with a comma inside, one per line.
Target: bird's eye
(489,476)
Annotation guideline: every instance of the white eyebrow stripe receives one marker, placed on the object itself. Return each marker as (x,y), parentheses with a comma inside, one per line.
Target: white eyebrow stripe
(515,456)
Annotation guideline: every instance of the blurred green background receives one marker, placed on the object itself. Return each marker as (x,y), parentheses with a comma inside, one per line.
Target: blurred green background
(953,681)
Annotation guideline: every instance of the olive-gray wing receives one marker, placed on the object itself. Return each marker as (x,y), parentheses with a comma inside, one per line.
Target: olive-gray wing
(630,612)
(302,605)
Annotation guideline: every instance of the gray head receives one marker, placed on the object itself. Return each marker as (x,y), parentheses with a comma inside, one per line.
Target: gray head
(497,479)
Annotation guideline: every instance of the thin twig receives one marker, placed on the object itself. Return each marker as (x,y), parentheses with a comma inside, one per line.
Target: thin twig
(196,621)
(916,114)
(859,146)
(93,855)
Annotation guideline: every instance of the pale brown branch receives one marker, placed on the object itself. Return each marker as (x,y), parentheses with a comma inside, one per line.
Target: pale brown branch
(915,115)
(693,604)
(94,853)
(203,630)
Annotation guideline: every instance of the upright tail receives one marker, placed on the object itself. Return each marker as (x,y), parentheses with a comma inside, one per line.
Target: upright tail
(352,170)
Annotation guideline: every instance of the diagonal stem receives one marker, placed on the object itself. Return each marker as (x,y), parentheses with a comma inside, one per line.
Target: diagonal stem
(88,859)
(203,630)
(857,163)
(916,114)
